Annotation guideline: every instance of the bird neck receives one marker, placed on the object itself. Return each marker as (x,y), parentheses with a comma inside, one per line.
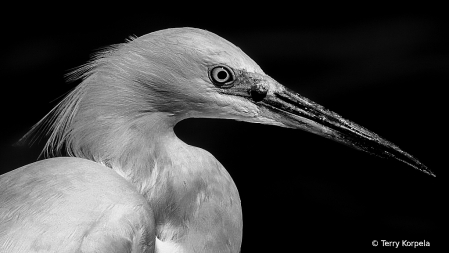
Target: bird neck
(150,153)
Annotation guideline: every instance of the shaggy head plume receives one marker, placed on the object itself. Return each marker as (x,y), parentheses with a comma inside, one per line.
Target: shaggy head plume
(158,72)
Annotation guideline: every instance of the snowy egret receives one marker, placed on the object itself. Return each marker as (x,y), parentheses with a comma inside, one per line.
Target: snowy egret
(130,184)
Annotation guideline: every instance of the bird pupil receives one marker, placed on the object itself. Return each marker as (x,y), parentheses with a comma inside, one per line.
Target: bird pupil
(222,74)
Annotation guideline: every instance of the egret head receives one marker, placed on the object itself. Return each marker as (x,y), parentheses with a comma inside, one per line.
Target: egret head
(189,72)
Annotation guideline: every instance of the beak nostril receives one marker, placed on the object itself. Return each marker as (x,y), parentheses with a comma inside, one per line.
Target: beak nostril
(258,92)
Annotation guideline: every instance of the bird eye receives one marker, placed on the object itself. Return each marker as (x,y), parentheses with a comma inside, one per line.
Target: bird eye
(221,76)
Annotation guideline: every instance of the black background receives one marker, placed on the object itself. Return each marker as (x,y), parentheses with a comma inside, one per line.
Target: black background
(386,72)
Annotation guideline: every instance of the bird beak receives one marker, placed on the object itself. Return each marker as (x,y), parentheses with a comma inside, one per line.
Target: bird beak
(289,109)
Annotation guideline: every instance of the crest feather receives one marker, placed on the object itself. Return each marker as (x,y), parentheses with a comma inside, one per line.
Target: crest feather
(56,123)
